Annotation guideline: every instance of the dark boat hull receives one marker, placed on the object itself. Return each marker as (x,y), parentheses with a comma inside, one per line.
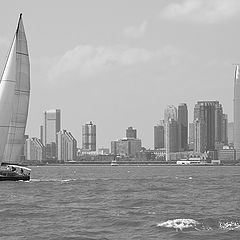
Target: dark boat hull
(14,178)
(7,174)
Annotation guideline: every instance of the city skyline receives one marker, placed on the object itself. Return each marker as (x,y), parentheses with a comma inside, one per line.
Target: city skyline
(124,71)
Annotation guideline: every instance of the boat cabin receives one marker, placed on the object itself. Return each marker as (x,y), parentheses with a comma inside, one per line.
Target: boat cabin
(19,169)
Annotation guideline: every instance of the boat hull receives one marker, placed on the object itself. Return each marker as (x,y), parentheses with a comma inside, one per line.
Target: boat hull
(7,174)
(14,178)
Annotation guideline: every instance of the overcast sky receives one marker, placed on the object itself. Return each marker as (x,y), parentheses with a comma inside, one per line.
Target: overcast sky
(119,63)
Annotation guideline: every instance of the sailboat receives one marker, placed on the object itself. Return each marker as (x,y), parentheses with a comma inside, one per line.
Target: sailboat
(14,102)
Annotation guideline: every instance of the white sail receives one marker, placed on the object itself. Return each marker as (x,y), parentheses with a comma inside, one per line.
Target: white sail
(7,88)
(19,112)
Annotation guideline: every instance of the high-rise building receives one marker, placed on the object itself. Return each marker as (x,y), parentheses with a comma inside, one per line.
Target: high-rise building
(230,131)
(218,123)
(236,112)
(182,127)
(66,146)
(210,112)
(225,129)
(159,136)
(41,133)
(52,125)
(170,113)
(131,133)
(191,136)
(199,131)
(34,149)
(171,137)
(89,137)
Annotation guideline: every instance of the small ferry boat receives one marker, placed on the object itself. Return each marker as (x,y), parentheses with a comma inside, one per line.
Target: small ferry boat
(13,172)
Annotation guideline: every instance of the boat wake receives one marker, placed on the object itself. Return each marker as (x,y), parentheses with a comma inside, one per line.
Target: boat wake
(184,224)
(53,180)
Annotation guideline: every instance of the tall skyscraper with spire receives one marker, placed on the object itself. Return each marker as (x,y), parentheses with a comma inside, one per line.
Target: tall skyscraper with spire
(236,106)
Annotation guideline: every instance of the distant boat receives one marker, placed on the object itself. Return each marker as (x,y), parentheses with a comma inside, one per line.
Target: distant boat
(114,162)
(14,102)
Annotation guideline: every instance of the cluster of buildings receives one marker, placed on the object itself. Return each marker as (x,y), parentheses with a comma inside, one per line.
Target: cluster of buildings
(208,136)
(56,144)
(208,133)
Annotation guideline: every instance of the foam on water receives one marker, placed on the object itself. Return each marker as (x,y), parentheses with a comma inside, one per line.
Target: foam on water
(203,225)
(229,225)
(179,224)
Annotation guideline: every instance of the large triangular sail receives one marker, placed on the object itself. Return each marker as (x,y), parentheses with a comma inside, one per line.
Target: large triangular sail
(7,88)
(20,98)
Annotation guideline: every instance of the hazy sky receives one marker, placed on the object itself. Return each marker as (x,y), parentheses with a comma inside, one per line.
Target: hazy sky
(119,63)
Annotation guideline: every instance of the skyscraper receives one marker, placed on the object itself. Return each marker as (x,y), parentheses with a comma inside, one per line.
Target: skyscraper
(34,149)
(191,136)
(210,112)
(171,137)
(66,146)
(199,130)
(131,133)
(159,136)
(230,131)
(236,113)
(41,133)
(182,127)
(170,113)
(89,137)
(52,125)
(225,129)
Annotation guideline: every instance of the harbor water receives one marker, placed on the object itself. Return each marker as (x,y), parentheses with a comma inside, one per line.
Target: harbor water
(123,202)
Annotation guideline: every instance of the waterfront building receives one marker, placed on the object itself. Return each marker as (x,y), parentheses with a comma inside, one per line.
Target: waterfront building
(131,133)
(160,154)
(66,146)
(135,146)
(200,141)
(227,154)
(211,113)
(126,147)
(89,137)
(159,136)
(103,151)
(171,137)
(182,127)
(52,125)
(236,112)
(34,149)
